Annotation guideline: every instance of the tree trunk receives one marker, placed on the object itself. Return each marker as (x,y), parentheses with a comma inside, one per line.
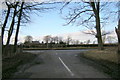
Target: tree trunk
(5,22)
(10,31)
(96,7)
(98,29)
(12,25)
(118,29)
(118,51)
(18,26)
(118,36)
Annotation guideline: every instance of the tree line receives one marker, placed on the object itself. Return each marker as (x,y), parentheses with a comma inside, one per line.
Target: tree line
(52,40)
(85,13)
(68,40)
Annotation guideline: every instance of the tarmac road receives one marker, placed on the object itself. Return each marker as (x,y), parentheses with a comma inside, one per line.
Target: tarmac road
(60,64)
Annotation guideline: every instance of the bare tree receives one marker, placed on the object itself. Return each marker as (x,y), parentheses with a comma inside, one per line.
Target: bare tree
(110,39)
(19,14)
(118,29)
(6,19)
(94,41)
(81,42)
(68,40)
(104,37)
(118,36)
(27,9)
(47,39)
(90,9)
(60,39)
(103,32)
(18,26)
(75,41)
(88,41)
(56,39)
(24,11)
(28,39)
(10,31)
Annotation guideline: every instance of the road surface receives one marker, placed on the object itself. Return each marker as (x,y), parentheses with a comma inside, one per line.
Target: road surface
(60,64)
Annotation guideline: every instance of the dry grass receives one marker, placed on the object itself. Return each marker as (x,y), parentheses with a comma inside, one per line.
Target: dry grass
(109,54)
(107,60)
(9,65)
(60,48)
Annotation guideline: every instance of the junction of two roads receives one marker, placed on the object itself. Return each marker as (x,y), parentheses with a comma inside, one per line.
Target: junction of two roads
(60,64)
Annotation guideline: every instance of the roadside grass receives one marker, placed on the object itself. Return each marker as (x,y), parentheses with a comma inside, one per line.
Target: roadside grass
(10,65)
(107,58)
(107,55)
(60,48)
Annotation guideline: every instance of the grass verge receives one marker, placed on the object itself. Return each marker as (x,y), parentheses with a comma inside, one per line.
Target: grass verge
(10,65)
(60,48)
(107,58)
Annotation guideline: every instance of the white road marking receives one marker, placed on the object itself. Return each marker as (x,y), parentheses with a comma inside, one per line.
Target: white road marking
(66,67)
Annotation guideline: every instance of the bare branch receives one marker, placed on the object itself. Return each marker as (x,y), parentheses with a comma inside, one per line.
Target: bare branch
(73,18)
(64,6)
(106,33)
